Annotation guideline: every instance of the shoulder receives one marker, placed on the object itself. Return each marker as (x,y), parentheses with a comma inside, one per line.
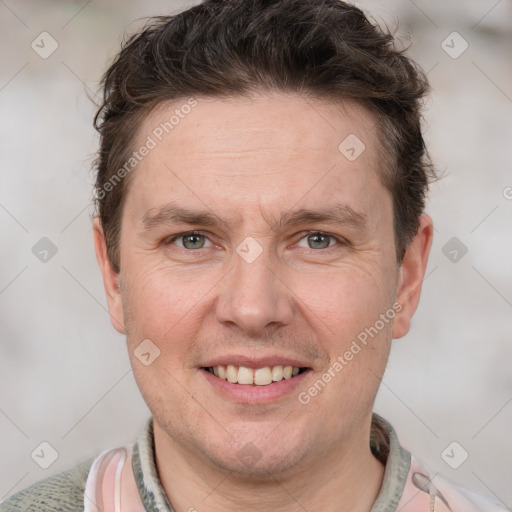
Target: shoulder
(410,486)
(63,492)
(467,499)
(423,490)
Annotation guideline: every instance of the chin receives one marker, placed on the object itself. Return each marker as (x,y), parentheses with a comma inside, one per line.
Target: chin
(268,455)
(252,450)
(261,467)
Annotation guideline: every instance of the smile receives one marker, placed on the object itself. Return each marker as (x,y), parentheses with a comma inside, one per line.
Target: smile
(254,376)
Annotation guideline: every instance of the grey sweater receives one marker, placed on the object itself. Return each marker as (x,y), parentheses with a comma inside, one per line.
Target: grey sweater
(63,492)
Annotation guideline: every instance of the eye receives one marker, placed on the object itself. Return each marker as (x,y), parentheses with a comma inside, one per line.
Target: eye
(194,240)
(190,240)
(319,240)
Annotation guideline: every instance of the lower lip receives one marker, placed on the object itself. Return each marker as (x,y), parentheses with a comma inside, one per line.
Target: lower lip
(251,394)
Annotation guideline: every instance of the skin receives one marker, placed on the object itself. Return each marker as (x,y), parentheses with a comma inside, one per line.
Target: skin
(248,161)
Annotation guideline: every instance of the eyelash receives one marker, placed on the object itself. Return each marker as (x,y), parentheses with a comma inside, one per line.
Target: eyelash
(341,241)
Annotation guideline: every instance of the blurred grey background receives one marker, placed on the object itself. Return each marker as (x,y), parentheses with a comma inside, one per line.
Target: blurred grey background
(65,374)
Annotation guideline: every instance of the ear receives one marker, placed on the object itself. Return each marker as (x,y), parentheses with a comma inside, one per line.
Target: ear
(110,278)
(411,274)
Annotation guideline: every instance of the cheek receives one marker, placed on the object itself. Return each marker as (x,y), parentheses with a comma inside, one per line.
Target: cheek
(346,300)
(345,310)
(163,305)
(163,309)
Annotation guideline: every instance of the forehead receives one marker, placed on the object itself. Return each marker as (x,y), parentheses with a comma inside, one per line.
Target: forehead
(237,123)
(265,153)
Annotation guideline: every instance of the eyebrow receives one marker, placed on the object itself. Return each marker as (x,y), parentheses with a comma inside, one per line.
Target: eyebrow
(172,213)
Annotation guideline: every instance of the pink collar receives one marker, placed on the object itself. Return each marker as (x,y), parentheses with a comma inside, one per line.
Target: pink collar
(111,486)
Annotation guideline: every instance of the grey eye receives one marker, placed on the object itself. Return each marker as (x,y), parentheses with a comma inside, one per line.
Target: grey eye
(318,240)
(193,241)
(190,241)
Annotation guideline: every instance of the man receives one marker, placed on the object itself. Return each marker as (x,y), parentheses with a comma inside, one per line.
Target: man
(260,188)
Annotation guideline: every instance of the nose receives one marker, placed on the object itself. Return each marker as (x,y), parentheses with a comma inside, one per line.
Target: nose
(254,297)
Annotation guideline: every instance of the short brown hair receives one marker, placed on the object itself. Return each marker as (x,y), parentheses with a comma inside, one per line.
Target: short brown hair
(225,48)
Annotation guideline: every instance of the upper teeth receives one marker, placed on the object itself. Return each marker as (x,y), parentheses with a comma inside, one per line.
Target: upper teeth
(259,376)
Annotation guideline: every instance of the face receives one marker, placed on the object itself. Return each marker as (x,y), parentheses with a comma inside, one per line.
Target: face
(250,239)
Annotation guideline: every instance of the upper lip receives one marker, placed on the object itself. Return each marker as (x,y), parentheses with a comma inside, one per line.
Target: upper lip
(254,362)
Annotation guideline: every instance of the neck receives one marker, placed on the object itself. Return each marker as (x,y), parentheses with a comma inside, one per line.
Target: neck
(345,479)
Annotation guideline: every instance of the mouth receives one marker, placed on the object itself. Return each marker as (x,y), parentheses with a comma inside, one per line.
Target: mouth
(263,376)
